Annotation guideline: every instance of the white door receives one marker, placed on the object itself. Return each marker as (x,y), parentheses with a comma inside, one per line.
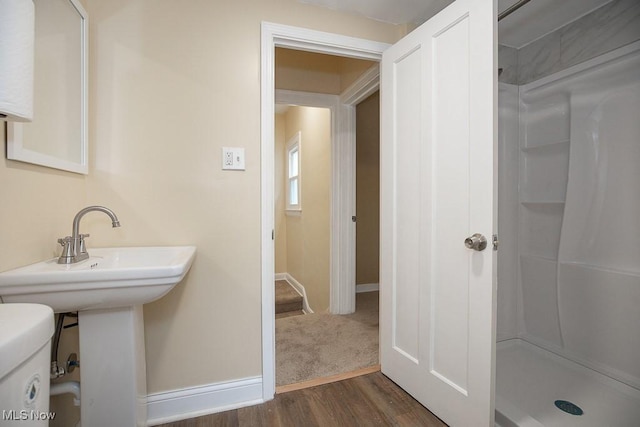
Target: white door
(437,152)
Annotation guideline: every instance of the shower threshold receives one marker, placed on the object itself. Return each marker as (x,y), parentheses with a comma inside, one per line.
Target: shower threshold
(529,381)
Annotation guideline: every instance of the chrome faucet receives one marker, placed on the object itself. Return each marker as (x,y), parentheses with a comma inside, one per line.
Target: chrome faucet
(73,247)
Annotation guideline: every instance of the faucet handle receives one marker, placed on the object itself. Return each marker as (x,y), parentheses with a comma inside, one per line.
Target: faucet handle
(67,250)
(64,241)
(82,249)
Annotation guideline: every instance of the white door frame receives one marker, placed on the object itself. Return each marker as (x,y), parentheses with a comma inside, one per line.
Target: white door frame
(343,184)
(343,194)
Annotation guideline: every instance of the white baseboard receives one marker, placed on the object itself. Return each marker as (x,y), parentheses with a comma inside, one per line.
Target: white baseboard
(367,287)
(298,287)
(181,404)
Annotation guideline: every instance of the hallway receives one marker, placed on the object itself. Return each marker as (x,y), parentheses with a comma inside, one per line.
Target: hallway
(321,345)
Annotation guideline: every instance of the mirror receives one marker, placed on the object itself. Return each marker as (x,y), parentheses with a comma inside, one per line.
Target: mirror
(57,136)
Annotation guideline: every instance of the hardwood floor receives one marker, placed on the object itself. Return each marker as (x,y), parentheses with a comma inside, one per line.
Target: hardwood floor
(368,400)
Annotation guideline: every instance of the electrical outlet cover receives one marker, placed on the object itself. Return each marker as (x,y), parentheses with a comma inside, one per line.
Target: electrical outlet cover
(233,158)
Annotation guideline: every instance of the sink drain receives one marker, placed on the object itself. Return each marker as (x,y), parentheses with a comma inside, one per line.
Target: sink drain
(568,407)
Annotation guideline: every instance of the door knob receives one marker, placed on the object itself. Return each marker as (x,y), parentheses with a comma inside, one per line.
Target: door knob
(477,242)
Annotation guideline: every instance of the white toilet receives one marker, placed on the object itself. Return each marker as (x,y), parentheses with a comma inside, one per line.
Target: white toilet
(25,352)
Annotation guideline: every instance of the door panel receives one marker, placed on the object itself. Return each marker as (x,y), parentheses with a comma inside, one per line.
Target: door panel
(438,132)
(406,294)
(448,280)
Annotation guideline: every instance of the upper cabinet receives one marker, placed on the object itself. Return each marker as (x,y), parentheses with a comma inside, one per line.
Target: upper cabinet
(57,136)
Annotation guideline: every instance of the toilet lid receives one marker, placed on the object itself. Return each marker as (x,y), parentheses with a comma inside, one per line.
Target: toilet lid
(24,329)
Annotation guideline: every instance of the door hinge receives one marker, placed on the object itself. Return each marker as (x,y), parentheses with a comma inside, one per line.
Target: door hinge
(273,234)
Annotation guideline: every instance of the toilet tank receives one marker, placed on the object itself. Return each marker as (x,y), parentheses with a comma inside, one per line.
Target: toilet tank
(25,352)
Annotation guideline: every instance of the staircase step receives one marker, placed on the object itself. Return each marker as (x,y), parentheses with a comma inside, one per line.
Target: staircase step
(287,299)
(289,314)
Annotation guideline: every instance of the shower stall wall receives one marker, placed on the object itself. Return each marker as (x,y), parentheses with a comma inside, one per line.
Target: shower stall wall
(569,225)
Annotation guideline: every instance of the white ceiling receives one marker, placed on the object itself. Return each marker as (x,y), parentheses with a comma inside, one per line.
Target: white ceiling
(532,21)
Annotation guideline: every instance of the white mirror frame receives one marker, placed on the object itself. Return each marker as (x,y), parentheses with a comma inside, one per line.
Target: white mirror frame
(15,148)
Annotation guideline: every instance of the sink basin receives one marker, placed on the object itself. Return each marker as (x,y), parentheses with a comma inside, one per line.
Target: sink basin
(110,278)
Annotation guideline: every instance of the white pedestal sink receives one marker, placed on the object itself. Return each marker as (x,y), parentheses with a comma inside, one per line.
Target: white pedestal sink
(108,291)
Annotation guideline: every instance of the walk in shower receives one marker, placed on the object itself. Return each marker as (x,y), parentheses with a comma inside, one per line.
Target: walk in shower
(568,332)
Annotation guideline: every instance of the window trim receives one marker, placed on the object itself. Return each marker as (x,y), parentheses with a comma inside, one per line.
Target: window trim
(295,143)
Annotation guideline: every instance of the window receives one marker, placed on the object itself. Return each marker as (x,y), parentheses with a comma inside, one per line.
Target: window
(294,174)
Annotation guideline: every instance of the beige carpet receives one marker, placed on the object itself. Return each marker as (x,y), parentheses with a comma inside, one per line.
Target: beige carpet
(319,345)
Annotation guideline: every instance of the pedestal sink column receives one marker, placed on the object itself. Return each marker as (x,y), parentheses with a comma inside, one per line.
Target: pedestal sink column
(113,368)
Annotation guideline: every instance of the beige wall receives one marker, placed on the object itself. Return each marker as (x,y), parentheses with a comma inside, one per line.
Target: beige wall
(350,69)
(308,234)
(37,208)
(368,189)
(315,72)
(307,71)
(170,84)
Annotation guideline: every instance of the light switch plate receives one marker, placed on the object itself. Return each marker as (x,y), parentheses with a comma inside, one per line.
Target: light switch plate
(233,158)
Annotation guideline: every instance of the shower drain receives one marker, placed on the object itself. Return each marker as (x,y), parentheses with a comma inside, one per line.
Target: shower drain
(568,407)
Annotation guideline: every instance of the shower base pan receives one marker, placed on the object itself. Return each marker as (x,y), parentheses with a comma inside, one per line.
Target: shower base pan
(530,380)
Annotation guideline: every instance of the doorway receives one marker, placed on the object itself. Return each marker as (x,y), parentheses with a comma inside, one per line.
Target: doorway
(284,36)
(306,129)
(449,372)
